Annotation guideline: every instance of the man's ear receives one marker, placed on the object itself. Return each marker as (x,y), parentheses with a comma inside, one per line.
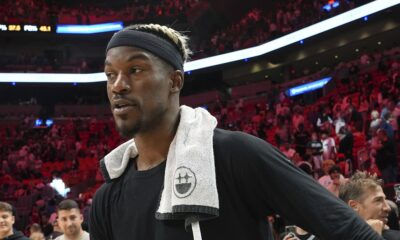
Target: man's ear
(176,79)
(353,204)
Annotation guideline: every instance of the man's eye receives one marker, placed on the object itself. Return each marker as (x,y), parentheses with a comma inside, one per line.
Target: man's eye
(135,70)
(110,76)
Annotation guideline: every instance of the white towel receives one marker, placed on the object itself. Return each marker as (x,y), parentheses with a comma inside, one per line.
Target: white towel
(189,181)
(190,188)
(117,160)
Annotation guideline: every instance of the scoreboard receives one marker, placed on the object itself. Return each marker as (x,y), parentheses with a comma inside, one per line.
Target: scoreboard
(63,28)
(26,28)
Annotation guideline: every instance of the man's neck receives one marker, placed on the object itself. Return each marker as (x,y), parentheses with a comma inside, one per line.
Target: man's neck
(153,145)
(75,237)
(2,236)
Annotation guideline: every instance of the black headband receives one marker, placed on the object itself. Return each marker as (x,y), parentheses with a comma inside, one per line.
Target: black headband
(150,42)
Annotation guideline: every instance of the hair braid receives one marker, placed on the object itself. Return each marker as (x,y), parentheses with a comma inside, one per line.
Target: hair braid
(176,38)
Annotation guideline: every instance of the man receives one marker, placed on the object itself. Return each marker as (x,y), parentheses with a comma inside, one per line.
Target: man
(56,232)
(178,170)
(326,179)
(301,138)
(386,158)
(386,125)
(364,194)
(328,145)
(375,120)
(70,220)
(7,220)
(346,143)
(355,118)
(315,147)
(324,120)
(337,178)
(36,232)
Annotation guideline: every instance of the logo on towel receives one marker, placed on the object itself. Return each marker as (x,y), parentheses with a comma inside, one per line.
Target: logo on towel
(184,182)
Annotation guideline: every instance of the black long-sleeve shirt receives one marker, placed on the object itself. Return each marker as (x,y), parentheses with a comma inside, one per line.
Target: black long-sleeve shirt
(253,179)
(17,235)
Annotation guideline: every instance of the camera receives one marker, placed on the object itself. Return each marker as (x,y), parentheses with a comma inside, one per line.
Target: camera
(291,231)
(397,193)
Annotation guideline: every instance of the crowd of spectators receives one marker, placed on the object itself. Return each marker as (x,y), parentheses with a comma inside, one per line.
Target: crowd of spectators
(25,11)
(28,63)
(32,157)
(55,12)
(256,26)
(337,126)
(261,25)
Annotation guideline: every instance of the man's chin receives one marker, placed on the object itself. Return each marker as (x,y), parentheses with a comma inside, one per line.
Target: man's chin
(71,232)
(126,132)
(126,135)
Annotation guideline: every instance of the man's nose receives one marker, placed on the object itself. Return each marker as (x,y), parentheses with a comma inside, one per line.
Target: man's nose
(121,84)
(69,222)
(386,207)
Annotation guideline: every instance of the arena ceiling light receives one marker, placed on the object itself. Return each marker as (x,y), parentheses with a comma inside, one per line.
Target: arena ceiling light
(349,16)
(308,87)
(52,77)
(89,29)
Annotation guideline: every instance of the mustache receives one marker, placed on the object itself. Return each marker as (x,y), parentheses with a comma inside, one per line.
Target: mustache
(120,98)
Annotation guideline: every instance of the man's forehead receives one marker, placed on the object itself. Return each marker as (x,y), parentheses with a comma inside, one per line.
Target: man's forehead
(68,212)
(127,52)
(5,212)
(374,193)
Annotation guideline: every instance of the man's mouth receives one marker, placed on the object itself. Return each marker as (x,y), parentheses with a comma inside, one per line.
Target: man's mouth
(122,108)
(121,105)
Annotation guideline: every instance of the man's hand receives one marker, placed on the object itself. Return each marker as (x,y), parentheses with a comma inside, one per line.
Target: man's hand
(377,225)
(290,236)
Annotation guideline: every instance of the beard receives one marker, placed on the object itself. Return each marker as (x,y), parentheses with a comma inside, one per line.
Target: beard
(130,126)
(72,231)
(129,131)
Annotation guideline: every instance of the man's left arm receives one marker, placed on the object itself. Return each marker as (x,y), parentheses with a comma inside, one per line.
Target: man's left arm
(273,183)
